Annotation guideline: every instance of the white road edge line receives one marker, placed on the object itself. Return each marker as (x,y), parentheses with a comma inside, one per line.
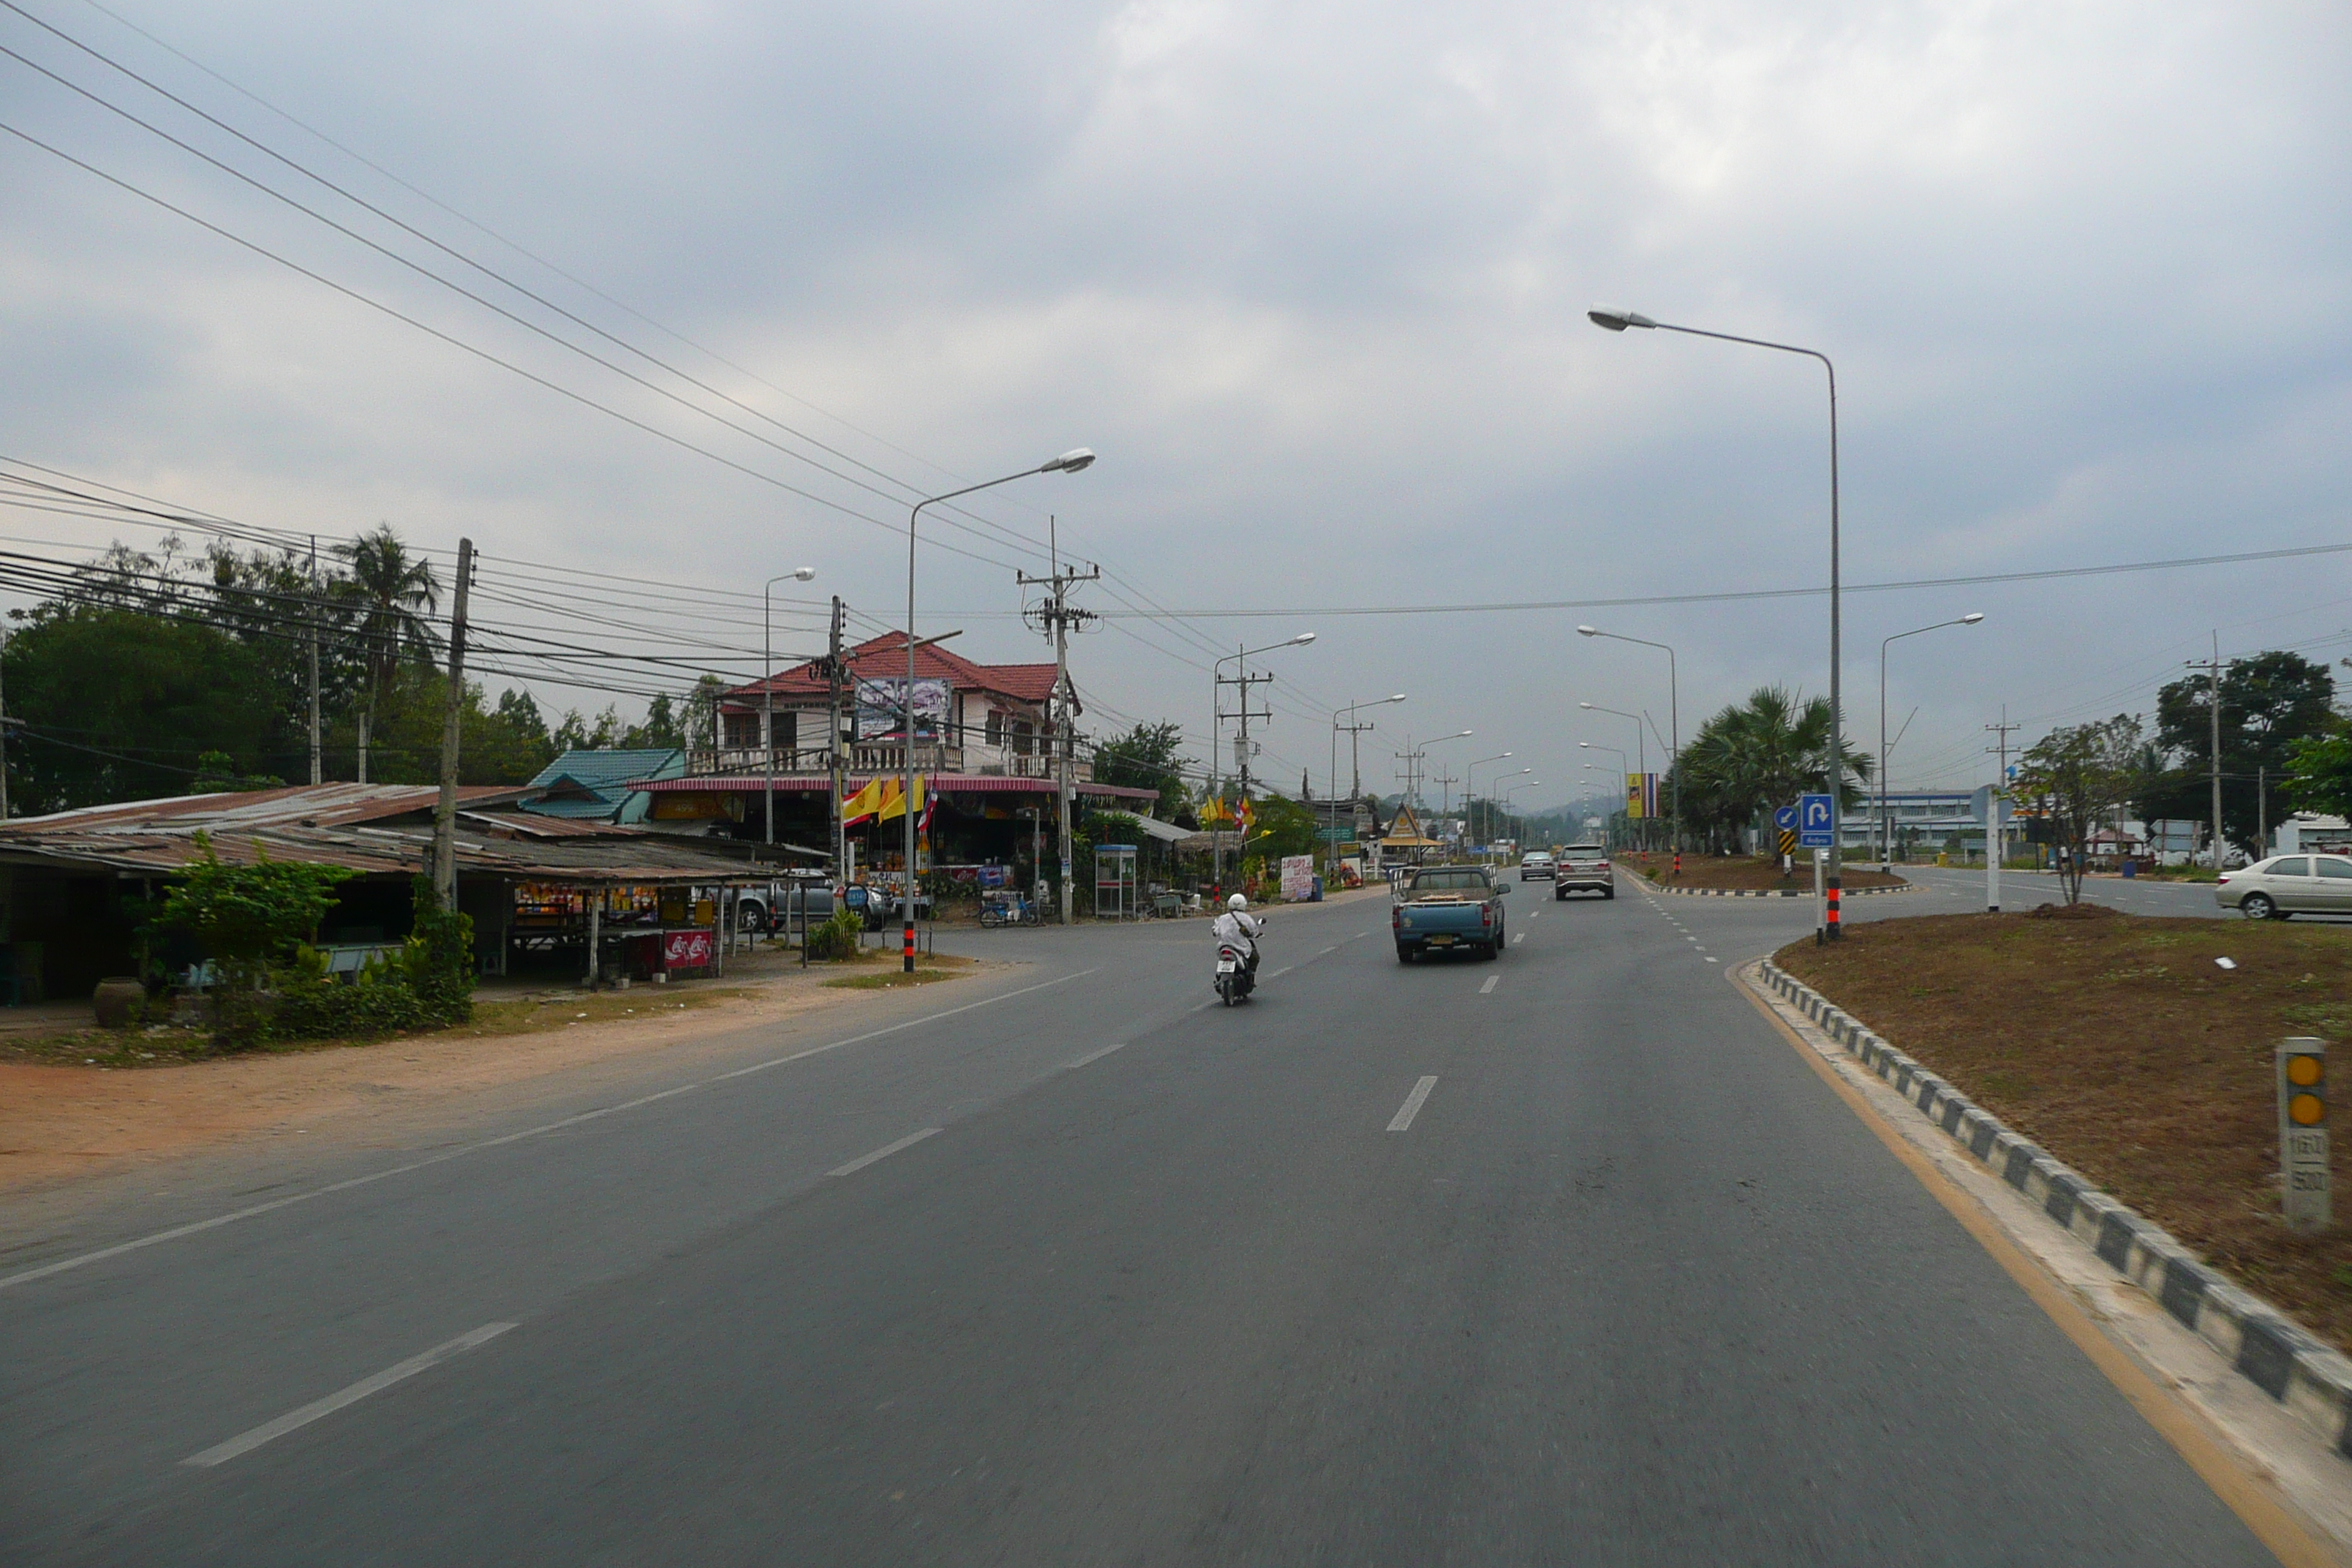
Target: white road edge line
(1092,1056)
(1483,990)
(255,1210)
(271,1431)
(1283,971)
(883,1152)
(1402,1120)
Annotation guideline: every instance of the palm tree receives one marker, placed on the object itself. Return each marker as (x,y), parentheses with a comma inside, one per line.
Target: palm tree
(1763,753)
(389,599)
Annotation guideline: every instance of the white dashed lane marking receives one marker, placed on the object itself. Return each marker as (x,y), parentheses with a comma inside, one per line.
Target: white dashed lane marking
(1491,979)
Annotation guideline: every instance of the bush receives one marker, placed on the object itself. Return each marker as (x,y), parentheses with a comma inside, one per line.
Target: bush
(430,985)
(837,937)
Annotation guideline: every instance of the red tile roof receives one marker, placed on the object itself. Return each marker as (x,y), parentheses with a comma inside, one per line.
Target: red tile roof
(885,658)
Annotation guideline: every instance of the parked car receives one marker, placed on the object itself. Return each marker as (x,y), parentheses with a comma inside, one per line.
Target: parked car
(1443,908)
(1536,866)
(1583,868)
(2287,885)
(780,902)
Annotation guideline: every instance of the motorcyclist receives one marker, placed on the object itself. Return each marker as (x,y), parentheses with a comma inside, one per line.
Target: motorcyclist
(1237,928)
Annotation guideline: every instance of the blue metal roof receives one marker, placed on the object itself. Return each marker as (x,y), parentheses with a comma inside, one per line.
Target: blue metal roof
(602,773)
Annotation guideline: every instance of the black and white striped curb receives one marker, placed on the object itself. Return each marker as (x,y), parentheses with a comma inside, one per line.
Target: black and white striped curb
(1760,892)
(2278,1356)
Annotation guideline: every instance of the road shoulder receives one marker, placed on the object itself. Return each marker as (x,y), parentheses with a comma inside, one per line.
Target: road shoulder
(2283,1478)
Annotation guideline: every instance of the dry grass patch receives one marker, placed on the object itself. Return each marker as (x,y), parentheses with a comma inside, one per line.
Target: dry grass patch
(2117,1043)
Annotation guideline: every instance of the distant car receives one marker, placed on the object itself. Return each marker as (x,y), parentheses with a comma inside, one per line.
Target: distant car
(1583,868)
(1535,865)
(2287,885)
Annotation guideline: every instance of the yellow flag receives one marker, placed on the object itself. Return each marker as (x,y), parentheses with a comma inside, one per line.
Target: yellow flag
(862,805)
(894,803)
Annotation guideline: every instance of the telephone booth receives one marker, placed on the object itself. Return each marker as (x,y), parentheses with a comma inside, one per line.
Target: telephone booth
(1115,888)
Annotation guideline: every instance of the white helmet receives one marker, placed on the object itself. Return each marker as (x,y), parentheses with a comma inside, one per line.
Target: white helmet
(1237,903)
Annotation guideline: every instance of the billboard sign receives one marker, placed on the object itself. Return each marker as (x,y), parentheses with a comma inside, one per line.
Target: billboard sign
(882,708)
(1641,795)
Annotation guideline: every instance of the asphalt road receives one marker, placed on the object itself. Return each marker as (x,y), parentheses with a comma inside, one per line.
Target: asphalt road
(1563,1257)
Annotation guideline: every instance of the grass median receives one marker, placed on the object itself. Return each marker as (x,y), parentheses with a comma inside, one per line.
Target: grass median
(2119,1044)
(1746,873)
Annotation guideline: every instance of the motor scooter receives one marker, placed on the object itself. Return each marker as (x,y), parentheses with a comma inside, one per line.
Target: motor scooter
(1236,969)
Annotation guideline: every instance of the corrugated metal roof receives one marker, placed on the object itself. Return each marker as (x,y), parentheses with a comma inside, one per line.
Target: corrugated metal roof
(946,783)
(329,824)
(317,806)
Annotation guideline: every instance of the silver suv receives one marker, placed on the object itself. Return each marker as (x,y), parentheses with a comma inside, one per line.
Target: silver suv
(2287,885)
(1535,865)
(1583,868)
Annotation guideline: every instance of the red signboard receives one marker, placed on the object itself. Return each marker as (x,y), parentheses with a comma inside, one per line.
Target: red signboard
(686,949)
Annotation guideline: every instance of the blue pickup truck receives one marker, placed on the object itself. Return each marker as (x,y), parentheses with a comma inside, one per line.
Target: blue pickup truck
(1449,908)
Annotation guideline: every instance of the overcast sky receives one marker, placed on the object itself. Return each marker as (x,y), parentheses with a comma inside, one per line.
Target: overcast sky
(1311,278)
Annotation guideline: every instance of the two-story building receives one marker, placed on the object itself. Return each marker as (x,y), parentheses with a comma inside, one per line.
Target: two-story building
(983,735)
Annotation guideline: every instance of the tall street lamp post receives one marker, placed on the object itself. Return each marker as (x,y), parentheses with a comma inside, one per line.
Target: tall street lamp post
(1217,683)
(1067,463)
(1641,741)
(1620,751)
(1353,729)
(1674,724)
(1617,320)
(768,669)
(1507,793)
(1885,822)
(1470,790)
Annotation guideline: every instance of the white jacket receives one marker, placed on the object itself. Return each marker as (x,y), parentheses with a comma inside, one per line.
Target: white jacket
(1238,930)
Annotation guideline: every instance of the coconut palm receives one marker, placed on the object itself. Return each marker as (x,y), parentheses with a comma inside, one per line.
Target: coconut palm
(1759,754)
(389,597)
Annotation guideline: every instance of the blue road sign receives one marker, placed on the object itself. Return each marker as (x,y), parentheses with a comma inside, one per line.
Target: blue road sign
(1785,817)
(1813,821)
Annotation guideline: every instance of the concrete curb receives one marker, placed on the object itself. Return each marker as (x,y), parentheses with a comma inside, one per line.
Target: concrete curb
(1844,893)
(2276,1355)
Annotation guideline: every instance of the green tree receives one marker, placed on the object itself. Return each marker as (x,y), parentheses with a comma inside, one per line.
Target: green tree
(118,704)
(2269,703)
(2319,776)
(389,597)
(250,919)
(2079,779)
(1150,756)
(662,729)
(1754,756)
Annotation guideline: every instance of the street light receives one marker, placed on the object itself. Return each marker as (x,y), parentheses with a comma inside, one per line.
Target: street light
(1641,741)
(1673,716)
(1353,730)
(1470,785)
(768,666)
(1506,795)
(1616,320)
(1070,462)
(1886,823)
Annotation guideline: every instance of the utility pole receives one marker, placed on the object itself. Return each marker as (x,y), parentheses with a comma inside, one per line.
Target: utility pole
(1445,783)
(445,813)
(2212,667)
(1242,745)
(3,738)
(316,774)
(832,741)
(1059,616)
(1994,837)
